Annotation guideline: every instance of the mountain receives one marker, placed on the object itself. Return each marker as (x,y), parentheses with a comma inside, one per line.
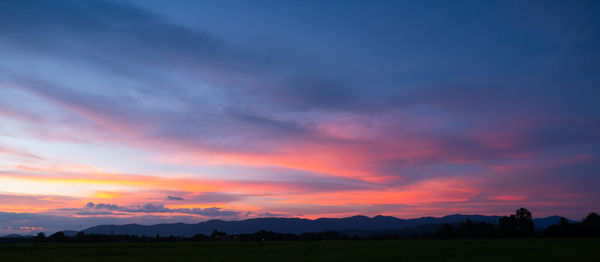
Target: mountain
(70,233)
(362,224)
(16,236)
(11,236)
(543,223)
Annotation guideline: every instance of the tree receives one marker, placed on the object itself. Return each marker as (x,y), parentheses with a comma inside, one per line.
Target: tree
(507,226)
(525,226)
(523,214)
(58,237)
(563,227)
(41,236)
(217,235)
(592,219)
(447,231)
(518,225)
(591,225)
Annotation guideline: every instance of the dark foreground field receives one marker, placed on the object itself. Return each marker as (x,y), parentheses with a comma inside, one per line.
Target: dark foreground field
(581,249)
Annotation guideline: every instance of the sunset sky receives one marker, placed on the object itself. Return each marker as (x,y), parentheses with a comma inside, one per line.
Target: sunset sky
(116,112)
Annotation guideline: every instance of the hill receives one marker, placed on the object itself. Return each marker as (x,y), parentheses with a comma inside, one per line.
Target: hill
(362,224)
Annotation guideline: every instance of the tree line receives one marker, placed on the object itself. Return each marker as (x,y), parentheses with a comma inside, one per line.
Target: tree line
(518,225)
(216,235)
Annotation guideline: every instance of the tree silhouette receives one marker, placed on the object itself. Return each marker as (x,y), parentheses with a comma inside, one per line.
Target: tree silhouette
(447,231)
(507,226)
(523,214)
(525,226)
(41,236)
(518,225)
(591,225)
(218,235)
(58,237)
(592,219)
(563,227)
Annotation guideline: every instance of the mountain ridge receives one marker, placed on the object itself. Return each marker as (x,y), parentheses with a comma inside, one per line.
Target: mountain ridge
(300,225)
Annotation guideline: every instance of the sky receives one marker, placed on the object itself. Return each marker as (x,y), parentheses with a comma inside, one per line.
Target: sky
(141,111)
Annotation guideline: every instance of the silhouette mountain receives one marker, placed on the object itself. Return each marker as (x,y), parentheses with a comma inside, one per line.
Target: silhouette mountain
(361,225)
(16,236)
(543,223)
(70,233)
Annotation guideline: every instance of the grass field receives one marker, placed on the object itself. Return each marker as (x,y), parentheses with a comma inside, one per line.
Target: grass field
(582,249)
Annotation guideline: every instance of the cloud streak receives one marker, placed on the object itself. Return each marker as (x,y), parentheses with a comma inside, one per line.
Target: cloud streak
(154,208)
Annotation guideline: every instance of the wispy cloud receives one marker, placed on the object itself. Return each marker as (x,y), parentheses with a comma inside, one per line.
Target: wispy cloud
(154,208)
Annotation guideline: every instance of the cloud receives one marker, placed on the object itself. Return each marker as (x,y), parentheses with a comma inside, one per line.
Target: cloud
(175,198)
(215,197)
(159,208)
(18,153)
(19,202)
(112,207)
(214,114)
(208,114)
